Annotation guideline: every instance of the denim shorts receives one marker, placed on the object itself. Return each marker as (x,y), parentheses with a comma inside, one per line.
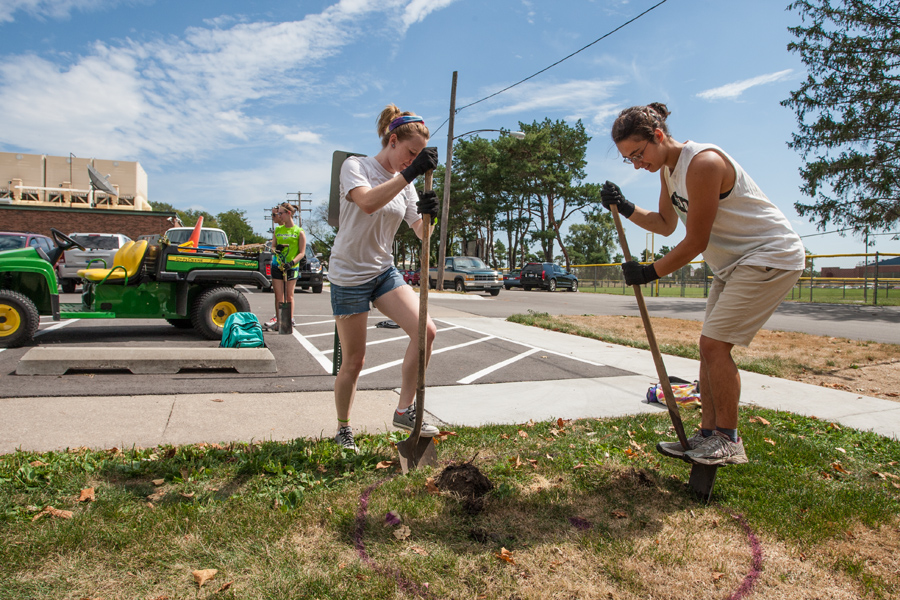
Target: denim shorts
(355,299)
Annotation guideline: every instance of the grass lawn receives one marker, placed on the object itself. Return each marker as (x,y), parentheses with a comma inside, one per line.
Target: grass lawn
(580,509)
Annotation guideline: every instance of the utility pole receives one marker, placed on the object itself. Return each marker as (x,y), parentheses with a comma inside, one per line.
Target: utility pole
(445,207)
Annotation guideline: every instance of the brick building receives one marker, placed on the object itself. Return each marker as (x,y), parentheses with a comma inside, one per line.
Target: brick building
(886,268)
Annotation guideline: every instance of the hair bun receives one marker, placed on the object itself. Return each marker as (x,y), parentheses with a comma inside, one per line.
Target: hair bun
(660,109)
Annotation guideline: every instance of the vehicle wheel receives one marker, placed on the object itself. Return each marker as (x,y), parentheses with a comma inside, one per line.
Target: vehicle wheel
(68,286)
(213,306)
(460,286)
(317,289)
(495,292)
(181,323)
(527,288)
(19,319)
(574,287)
(507,287)
(552,285)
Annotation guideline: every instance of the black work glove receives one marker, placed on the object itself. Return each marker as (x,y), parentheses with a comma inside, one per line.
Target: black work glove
(428,205)
(424,162)
(638,274)
(611,194)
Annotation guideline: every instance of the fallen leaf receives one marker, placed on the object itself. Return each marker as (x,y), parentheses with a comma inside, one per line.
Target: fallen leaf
(431,487)
(504,436)
(419,550)
(837,467)
(530,423)
(37,463)
(578,466)
(385,464)
(522,434)
(561,423)
(87,495)
(225,587)
(717,576)
(53,512)
(402,532)
(619,514)
(834,426)
(768,441)
(533,462)
(505,555)
(760,420)
(203,575)
(217,400)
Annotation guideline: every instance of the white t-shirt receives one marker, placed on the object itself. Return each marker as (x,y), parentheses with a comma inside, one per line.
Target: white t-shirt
(748,229)
(362,248)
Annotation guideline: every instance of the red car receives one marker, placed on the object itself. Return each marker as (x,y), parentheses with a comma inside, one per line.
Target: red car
(411,277)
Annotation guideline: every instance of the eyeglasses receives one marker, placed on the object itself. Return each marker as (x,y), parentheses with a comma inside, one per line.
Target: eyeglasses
(637,157)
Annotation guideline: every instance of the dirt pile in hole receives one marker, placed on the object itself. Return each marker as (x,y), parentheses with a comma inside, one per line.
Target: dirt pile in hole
(466,482)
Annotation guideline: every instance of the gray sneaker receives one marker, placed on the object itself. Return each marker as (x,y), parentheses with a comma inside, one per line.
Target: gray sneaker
(408,420)
(675,449)
(718,449)
(344,438)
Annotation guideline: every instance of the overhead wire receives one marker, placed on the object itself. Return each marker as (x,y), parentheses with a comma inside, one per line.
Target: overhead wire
(533,75)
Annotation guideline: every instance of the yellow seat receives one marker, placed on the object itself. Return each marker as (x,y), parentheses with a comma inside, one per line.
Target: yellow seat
(126,264)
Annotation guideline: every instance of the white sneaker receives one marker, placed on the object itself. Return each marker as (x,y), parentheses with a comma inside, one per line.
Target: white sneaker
(272,323)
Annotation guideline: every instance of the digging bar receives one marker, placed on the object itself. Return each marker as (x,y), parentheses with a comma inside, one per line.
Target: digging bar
(416,451)
(702,476)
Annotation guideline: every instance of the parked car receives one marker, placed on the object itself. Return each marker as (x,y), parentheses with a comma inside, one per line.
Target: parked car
(411,277)
(467,274)
(209,236)
(312,274)
(547,276)
(512,279)
(11,240)
(100,250)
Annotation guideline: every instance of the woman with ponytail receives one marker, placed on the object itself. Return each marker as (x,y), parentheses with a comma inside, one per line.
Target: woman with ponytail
(754,254)
(288,250)
(376,194)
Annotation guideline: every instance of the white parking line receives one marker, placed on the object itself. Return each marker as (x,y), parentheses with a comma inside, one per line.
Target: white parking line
(393,339)
(499,365)
(57,326)
(323,360)
(394,363)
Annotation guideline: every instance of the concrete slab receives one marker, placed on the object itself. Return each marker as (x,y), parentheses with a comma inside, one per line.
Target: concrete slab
(48,360)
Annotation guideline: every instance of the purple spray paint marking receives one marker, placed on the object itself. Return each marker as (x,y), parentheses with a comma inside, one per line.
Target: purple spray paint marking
(756,565)
(403,583)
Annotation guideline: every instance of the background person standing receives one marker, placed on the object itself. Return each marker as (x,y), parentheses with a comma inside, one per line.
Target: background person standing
(288,249)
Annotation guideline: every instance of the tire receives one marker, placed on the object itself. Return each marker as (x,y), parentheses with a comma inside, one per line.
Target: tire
(213,306)
(19,319)
(574,287)
(552,285)
(527,288)
(317,289)
(68,286)
(460,286)
(495,292)
(181,323)
(508,287)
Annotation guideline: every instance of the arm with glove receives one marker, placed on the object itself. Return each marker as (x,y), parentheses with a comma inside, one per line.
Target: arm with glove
(427,206)
(372,199)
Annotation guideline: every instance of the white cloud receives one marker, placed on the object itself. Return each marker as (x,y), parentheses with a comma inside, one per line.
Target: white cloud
(304,137)
(176,98)
(579,99)
(53,9)
(731,91)
(417,10)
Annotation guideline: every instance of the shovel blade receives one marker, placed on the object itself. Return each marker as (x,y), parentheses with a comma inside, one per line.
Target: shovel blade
(703,477)
(414,456)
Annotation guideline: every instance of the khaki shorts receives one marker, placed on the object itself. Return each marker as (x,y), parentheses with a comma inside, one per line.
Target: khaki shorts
(738,308)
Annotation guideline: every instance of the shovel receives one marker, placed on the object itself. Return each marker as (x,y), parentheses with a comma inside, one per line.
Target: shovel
(416,451)
(702,476)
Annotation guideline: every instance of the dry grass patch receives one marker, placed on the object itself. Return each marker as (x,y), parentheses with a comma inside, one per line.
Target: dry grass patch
(868,368)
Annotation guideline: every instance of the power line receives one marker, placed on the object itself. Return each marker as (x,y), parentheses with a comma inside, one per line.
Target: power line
(533,75)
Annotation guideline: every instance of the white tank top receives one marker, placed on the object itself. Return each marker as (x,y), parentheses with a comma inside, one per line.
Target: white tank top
(749,229)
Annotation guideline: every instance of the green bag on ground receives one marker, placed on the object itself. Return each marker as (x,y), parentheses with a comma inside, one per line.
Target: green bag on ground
(242,330)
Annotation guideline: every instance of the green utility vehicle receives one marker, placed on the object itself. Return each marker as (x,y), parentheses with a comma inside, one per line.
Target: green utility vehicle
(185,286)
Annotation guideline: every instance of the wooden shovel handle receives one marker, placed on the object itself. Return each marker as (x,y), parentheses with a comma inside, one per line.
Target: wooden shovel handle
(651,340)
(424,275)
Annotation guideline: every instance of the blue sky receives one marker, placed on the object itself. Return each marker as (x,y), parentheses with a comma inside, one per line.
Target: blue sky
(232,104)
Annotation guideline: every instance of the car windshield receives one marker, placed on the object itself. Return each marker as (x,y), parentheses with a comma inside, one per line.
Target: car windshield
(11,242)
(470,263)
(97,242)
(207,237)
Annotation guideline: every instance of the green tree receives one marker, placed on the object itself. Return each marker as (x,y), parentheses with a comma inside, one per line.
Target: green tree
(190,217)
(591,242)
(234,224)
(848,111)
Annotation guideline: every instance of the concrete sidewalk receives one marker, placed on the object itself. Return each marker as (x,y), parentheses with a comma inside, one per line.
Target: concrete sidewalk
(43,424)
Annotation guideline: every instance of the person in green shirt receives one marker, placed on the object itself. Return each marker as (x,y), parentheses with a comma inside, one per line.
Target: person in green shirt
(288,247)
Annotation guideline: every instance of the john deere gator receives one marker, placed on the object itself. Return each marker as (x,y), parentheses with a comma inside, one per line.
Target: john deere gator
(188,287)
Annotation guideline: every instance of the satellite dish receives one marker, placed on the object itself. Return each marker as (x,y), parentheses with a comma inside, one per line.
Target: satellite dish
(98,182)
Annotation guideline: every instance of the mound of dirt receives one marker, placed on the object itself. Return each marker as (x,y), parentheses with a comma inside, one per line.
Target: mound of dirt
(466,482)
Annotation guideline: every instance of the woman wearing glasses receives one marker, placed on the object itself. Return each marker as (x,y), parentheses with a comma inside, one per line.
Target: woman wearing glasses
(754,254)
(288,249)
(376,194)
